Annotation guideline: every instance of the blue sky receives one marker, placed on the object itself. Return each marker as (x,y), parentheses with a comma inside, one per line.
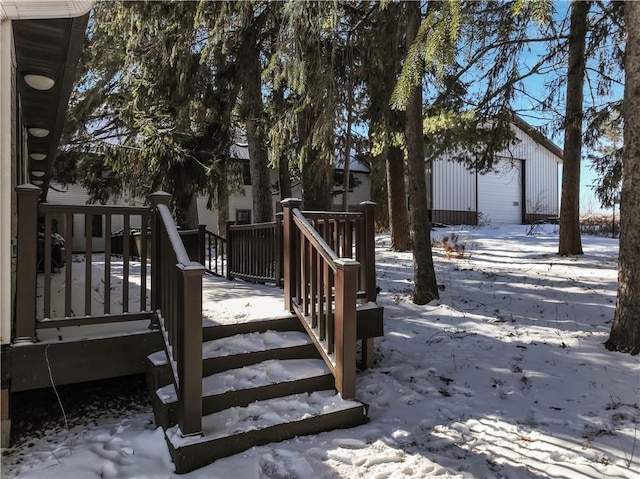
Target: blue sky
(535,87)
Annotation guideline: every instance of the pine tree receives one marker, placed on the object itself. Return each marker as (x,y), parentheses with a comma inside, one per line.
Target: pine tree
(383,41)
(425,287)
(570,241)
(625,331)
(152,114)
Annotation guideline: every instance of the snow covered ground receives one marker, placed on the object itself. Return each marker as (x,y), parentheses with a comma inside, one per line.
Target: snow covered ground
(504,377)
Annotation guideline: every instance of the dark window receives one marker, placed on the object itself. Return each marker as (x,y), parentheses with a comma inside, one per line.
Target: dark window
(243,217)
(96,226)
(246,173)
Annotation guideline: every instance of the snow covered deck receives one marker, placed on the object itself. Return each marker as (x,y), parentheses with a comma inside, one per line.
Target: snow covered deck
(224,302)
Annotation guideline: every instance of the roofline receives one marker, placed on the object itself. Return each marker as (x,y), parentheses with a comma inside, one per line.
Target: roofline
(538,137)
(43,9)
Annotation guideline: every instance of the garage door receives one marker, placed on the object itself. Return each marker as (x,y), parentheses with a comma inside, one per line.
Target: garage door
(500,193)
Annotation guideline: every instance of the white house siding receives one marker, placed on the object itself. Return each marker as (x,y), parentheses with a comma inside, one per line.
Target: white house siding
(77,195)
(358,194)
(500,193)
(241,201)
(7,178)
(541,177)
(453,193)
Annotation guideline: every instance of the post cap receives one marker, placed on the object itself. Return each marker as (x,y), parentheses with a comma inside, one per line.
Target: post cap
(291,201)
(346,263)
(28,188)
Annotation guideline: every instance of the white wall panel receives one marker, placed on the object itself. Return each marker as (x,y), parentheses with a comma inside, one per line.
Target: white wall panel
(454,186)
(541,175)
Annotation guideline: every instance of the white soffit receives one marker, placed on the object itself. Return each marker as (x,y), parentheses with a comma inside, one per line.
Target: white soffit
(43,9)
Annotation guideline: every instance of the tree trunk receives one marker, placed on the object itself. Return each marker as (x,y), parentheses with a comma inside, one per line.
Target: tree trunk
(425,288)
(258,157)
(379,192)
(570,241)
(192,219)
(397,200)
(284,177)
(347,142)
(316,182)
(316,175)
(223,202)
(625,331)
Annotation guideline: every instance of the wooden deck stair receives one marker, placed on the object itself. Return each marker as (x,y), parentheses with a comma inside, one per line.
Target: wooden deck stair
(263,382)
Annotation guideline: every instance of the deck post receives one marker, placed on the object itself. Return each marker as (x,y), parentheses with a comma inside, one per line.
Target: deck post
(231,263)
(189,339)
(27,241)
(290,250)
(158,198)
(202,257)
(277,249)
(345,326)
(369,267)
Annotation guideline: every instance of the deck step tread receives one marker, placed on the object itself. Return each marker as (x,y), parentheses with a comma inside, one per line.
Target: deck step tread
(263,415)
(245,343)
(256,375)
(253,342)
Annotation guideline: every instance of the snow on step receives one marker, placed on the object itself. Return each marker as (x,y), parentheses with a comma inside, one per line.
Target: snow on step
(263,414)
(253,342)
(253,376)
(159,358)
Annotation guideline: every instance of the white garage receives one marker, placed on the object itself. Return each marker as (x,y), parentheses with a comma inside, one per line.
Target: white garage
(523,186)
(500,193)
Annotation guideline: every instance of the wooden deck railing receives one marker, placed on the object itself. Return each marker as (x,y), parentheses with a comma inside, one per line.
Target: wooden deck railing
(214,253)
(82,297)
(177,302)
(254,252)
(321,289)
(351,235)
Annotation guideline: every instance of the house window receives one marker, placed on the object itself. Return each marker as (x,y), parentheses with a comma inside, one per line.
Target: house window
(243,217)
(96,226)
(246,173)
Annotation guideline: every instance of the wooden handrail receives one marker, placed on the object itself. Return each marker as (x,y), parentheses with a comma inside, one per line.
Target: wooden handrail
(321,289)
(173,235)
(316,240)
(93,209)
(253,226)
(177,295)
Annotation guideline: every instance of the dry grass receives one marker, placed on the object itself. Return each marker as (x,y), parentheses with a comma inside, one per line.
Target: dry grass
(600,225)
(453,246)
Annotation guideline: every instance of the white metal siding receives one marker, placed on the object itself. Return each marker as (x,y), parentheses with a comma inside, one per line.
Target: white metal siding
(454,186)
(541,175)
(500,193)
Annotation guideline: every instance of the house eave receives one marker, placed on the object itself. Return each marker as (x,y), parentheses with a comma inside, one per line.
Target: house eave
(51,47)
(43,9)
